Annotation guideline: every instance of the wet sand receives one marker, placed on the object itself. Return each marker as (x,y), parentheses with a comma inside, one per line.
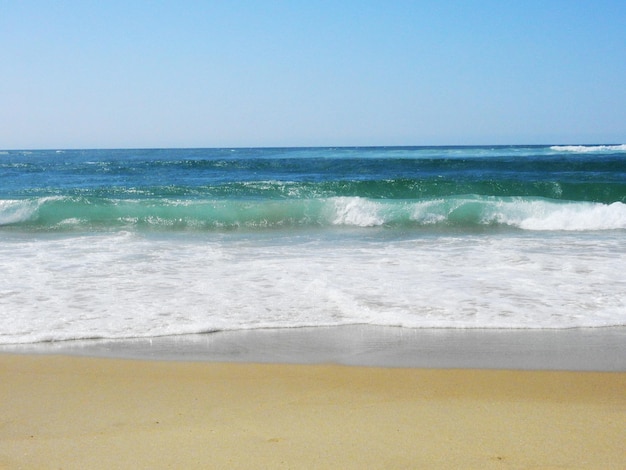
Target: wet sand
(592,349)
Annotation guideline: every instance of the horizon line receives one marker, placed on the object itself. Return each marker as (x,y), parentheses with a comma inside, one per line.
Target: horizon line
(245,147)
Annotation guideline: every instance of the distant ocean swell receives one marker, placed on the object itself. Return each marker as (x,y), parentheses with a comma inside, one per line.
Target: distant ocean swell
(433,187)
(58,213)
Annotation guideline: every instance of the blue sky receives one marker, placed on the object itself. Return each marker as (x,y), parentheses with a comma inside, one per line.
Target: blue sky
(85,74)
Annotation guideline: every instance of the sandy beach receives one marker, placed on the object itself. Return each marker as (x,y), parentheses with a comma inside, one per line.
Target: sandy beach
(63,411)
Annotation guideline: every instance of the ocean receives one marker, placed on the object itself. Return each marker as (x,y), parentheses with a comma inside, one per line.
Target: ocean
(157,242)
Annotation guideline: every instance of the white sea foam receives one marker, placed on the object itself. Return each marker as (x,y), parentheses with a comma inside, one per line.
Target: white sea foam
(356,211)
(429,212)
(123,285)
(578,217)
(589,148)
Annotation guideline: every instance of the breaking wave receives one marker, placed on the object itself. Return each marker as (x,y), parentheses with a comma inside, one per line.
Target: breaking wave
(589,148)
(82,214)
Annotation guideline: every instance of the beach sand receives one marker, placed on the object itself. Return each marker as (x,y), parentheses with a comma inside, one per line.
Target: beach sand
(81,412)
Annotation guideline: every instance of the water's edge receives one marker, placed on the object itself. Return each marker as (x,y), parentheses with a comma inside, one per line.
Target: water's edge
(579,349)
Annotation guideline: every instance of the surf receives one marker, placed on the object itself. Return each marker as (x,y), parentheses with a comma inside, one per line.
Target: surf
(101,214)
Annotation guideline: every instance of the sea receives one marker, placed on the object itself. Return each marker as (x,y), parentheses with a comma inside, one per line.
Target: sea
(144,243)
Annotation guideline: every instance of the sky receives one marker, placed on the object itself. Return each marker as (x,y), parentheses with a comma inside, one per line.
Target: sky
(136,73)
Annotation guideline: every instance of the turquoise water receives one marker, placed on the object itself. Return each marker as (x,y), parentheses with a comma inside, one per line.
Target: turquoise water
(136,243)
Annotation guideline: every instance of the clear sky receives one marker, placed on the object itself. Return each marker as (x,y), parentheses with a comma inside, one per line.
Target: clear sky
(137,73)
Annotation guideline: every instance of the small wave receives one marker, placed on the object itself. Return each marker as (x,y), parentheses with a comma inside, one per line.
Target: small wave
(468,211)
(65,213)
(16,211)
(589,148)
(357,212)
(575,217)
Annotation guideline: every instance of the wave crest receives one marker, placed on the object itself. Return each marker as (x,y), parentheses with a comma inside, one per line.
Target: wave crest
(78,214)
(589,148)
(16,211)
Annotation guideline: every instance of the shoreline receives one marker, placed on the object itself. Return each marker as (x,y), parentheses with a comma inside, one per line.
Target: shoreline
(577,349)
(339,397)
